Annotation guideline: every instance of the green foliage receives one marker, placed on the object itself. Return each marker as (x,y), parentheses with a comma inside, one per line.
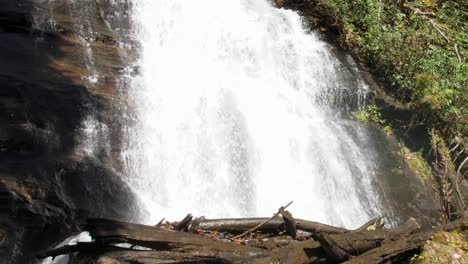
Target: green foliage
(426,71)
(436,141)
(417,258)
(387,129)
(418,164)
(362,116)
(371,114)
(444,247)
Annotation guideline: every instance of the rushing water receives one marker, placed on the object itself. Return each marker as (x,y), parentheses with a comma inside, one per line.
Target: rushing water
(236,114)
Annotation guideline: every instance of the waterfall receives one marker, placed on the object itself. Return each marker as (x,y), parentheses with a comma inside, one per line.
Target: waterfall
(237,110)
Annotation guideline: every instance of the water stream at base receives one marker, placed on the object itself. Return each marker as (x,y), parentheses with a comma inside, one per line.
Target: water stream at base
(238,110)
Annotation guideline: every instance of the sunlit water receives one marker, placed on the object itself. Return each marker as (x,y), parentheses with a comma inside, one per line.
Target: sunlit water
(235,113)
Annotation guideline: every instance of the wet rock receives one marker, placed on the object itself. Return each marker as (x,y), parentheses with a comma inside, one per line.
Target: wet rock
(47,185)
(280,3)
(95,190)
(14,16)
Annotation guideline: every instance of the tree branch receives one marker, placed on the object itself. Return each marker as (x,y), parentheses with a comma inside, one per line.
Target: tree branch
(262,223)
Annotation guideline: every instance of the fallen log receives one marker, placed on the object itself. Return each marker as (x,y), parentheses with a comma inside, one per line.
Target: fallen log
(111,232)
(375,223)
(152,257)
(363,245)
(358,242)
(407,228)
(335,253)
(298,253)
(255,228)
(402,249)
(239,225)
(354,243)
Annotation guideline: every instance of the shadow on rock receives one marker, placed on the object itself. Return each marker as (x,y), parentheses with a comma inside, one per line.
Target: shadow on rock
(45,188)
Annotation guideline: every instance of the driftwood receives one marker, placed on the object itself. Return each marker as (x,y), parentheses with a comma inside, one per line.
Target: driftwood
(112,232)
(358,242)
(400,250)
(184,223)
(239,225)
(376,223)
(289,223)
(370,243)
(335,253)
(255,228)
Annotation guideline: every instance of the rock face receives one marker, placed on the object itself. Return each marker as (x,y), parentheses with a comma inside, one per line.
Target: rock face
(58,77)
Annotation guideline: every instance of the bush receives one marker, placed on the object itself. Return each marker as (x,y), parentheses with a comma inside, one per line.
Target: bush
(371,114)
(411,52)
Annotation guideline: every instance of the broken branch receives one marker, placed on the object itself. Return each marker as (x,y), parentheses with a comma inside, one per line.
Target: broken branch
(262,223)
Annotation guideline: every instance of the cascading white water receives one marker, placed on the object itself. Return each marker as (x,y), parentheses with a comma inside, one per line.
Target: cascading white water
(233,117)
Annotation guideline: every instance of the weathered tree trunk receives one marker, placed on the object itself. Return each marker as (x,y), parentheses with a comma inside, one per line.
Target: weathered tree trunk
(358,242)
(111,232)
(335,253)
(377,223)
(401,249)
(239,225)
(363,245)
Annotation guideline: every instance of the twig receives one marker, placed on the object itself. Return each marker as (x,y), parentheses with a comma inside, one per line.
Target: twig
(454,148)
(160,222)
(262,223)
(461,165)
(418,11)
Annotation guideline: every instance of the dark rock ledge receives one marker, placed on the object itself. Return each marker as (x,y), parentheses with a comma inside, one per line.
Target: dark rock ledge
(45,185)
